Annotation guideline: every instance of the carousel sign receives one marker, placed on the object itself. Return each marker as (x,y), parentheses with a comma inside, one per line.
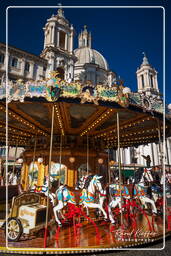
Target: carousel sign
(53,88)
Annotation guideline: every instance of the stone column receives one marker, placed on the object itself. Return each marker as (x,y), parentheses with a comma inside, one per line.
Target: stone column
(139,82)
(146,80)
(22,66)
(71,42)
(31,71)
(66,42)
(45,38)
(51,34)
(156,82)
(58,38)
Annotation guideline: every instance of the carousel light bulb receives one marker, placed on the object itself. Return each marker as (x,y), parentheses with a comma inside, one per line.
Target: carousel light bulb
(100,160)
(72,159)
(40,160)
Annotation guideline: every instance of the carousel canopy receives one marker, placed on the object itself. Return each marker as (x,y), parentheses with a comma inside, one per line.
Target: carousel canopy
(80,110)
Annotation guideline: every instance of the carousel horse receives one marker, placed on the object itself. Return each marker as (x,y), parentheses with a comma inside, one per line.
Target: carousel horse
(83,182)
(142,188)
(54,184)
(115,198)
(85,197)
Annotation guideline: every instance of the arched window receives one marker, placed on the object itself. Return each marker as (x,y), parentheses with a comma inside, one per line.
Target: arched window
(62,40)
(60,70)
(27,66)
(142,80)
(14,62)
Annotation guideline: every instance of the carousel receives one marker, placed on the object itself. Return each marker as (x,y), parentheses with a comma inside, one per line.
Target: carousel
(66,195)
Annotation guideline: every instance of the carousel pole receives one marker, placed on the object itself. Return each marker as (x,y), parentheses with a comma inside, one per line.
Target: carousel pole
(159,135)
(49,169)
(15,156)
(87,154)
(34,156)
(60,157)
(119,165)
(152,151)
(109,175)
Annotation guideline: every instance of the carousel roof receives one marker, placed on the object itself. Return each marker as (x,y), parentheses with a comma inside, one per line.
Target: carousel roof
(80,110)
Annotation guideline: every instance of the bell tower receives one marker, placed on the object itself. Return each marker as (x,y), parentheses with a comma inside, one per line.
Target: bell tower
(147,78)
(58,46)
(84,38)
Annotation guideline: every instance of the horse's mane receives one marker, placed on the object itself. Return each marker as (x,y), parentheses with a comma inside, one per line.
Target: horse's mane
(88,180)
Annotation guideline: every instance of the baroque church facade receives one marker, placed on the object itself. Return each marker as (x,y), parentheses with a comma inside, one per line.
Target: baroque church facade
(83,64)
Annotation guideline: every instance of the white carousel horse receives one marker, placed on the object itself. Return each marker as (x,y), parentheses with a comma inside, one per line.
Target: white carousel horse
(115,198)
(86,197)
(84,182)
(140,189)
(13,179)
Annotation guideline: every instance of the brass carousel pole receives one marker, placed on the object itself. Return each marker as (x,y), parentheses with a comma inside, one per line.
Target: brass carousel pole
(119,165)
(34,156)
(109,175)
(87,154)
(60,157)
(49,169)
(15,156)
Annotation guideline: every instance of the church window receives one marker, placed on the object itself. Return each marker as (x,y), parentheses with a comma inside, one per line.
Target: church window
(62,40)
(142,80)
(1,58)
(27,66)
(14,62)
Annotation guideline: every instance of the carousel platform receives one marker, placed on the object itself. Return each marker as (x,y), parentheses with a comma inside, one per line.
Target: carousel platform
(84,234)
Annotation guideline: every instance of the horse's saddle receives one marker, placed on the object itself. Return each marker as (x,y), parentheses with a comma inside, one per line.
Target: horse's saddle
(76,193)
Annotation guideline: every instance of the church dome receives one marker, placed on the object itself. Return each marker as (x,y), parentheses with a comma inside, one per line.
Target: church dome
(88,55)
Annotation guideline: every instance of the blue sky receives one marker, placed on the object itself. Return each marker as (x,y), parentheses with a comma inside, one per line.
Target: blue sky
(120,34)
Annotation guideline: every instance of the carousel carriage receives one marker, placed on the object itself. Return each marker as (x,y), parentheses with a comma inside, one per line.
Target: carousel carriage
(61,129)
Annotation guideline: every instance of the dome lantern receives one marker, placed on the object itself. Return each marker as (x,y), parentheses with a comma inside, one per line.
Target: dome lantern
(84,38)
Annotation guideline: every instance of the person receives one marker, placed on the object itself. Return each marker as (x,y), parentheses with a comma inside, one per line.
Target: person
(148,160)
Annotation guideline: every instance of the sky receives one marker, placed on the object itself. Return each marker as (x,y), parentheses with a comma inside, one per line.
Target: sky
(119,34)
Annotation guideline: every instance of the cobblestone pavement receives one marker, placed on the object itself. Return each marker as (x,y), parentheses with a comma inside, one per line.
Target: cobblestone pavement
(164,252)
